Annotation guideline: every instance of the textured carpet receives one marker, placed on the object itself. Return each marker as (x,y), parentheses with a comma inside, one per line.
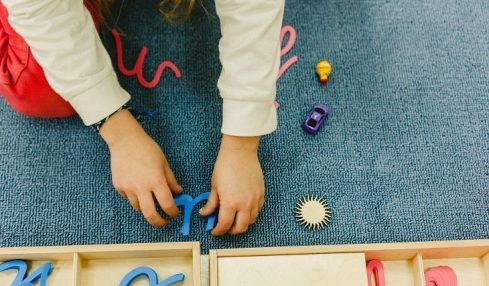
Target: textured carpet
(404,155)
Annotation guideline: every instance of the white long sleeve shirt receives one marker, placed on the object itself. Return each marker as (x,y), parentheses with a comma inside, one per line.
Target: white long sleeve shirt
(64,41)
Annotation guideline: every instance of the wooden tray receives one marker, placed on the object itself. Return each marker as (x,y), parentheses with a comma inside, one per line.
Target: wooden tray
(404,264)
(104,265)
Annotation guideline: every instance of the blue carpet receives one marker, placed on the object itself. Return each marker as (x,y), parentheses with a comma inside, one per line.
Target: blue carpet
(404,155)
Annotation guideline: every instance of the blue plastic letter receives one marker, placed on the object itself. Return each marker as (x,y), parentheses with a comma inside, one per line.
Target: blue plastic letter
(152,277)
(41,274)
(188,203)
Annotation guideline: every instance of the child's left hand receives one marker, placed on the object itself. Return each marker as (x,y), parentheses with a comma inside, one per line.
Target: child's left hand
(238,186)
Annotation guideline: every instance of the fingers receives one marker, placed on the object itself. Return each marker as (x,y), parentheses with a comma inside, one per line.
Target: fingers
(254,215)
(122,193)
(241,223)
(261,203)
(133,200)
(211,205)
(148,209)
(166,201)
(255,211)
(225,221)
(171,180)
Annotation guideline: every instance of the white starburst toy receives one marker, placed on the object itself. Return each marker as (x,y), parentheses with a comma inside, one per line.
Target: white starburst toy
(313,212)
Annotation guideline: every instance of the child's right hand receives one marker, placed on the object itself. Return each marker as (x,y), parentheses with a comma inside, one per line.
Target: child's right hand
(140,170)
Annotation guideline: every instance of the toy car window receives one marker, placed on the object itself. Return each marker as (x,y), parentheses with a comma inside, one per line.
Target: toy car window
(319,110)
(311,122)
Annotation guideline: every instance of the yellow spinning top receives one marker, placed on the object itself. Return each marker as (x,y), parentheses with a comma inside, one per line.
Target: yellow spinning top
(323,69)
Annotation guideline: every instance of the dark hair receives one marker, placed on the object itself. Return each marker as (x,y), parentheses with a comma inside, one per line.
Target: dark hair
(172,10)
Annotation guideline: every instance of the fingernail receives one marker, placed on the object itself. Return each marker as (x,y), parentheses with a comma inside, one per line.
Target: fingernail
(201,211)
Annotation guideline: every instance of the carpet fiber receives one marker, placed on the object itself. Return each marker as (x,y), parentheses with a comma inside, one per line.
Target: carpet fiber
(404,155)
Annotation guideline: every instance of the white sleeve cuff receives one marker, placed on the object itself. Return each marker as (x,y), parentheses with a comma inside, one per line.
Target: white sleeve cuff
(248,118)
(100,100)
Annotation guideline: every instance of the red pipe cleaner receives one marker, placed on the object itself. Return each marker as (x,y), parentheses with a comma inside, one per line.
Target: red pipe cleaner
(440,276)
(137,70)
(375,269)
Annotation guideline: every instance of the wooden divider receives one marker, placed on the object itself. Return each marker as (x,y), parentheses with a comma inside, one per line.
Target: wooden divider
(419,270)
(485,261)
(77,266)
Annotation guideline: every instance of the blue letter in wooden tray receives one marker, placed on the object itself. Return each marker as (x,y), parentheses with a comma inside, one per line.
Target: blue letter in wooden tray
(41,274)
(188,203)
(152,277)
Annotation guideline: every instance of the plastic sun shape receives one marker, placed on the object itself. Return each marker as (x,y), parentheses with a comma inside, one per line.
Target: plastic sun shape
(313,212)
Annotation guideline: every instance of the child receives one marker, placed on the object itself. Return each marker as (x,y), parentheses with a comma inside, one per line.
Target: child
(53,64)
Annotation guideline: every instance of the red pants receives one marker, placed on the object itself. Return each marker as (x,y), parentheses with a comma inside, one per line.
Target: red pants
(22,80)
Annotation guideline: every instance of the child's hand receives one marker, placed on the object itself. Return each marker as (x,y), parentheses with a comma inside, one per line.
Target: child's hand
(237,185)
(140,171)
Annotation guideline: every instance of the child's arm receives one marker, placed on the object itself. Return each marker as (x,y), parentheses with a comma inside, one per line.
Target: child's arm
(63,38)
(65,42)
(250,57)
(249,51)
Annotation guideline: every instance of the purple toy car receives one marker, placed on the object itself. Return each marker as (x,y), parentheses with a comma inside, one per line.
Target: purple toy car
(316,118)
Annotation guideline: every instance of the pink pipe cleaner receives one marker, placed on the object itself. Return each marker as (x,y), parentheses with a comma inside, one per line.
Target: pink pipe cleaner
(288,47)
(440,276)
(285,50)
(137,70)
(375,268)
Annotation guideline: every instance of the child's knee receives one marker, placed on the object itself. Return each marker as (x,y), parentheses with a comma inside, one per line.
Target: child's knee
(31,95)
(22,81)
(24,85)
